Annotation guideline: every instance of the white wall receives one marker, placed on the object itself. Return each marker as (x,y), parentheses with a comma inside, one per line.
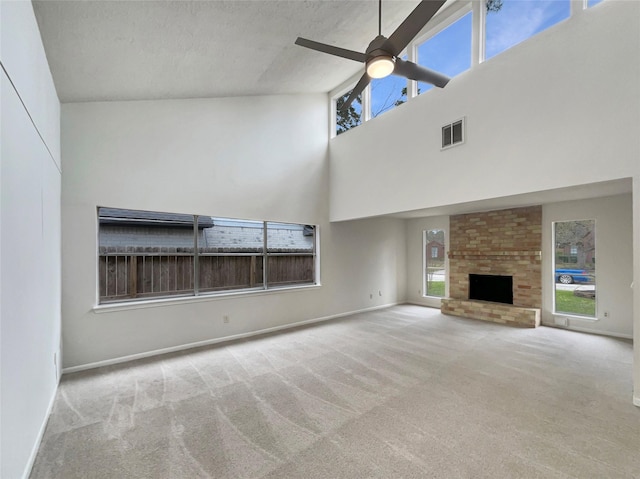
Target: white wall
(614,265)
(30,239)
(415,257)
(560,109)
(252,158)
(636,290)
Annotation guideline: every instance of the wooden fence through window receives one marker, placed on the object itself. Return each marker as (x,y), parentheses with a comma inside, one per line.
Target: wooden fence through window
(130,273)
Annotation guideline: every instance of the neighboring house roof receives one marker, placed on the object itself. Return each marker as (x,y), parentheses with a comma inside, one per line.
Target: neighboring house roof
(116,216)
(131,230)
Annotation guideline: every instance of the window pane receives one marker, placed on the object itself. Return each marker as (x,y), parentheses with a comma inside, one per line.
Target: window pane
(144,254)
(448,52)
(290,254)
(229,254)
(434,263)
(349,118)
(387,93)
(518,20)
(457,132)
(591,3)
(446,135)
(575,267)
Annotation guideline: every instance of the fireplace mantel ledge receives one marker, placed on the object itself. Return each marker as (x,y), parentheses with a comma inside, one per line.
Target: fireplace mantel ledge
(484,254)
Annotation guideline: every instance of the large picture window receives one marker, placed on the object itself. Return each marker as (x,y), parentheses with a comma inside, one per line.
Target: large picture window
(146,255)
(575,267)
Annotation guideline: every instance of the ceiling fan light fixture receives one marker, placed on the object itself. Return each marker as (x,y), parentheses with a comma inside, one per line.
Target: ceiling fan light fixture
(381,66)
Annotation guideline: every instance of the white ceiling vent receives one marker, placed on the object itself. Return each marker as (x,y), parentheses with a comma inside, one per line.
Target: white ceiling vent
(453,133)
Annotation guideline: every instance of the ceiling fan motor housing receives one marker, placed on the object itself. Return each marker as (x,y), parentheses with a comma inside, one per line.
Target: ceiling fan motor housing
(380,62)
(376,48)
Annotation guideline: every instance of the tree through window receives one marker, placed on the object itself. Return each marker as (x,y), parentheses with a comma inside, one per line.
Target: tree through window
(349,118)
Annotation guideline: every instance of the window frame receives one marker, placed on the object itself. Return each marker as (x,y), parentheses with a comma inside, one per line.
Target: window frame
(462,121)
(370,86)
(442,21)
(426,256)
(485,30)
(338,93)
(554,266)
(196,294)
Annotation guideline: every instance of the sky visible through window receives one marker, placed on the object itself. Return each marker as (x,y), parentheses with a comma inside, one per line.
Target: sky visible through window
(387,93)
(518,20)
(449,51)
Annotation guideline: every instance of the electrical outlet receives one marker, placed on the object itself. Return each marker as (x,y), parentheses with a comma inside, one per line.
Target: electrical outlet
(225,319)
(379,293)
(606,314)
(371,296)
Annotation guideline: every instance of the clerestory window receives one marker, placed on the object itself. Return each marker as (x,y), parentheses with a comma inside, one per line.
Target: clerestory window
(518,20)
(349,117)
(447,52)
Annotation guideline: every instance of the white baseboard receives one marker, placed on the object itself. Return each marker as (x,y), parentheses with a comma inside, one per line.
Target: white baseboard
(419,303)
(636,401)
(209,342)
(36,445)
(588,330)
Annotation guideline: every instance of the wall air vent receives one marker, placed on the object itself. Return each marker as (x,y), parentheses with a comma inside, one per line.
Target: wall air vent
(453,134)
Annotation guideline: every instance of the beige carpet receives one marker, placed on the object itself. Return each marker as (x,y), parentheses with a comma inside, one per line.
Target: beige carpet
(398,393)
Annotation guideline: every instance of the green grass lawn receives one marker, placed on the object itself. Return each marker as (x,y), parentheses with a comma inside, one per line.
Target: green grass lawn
(566,302)
(435,288)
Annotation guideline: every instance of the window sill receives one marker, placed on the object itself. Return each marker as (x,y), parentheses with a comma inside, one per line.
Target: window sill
(452,145)
(160,302)
(575,316)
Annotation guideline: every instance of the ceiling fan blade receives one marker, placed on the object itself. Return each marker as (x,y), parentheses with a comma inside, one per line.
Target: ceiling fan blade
(361,85)
(416,72)
(412,25)
(331,50)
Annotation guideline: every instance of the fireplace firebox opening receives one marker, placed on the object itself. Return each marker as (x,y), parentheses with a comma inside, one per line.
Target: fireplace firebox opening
(489,287)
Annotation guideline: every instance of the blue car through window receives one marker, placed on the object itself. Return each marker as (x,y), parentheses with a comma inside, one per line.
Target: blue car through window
(569,276)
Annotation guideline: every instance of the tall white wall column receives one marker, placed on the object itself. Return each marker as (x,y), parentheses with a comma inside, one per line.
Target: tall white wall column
(636,290)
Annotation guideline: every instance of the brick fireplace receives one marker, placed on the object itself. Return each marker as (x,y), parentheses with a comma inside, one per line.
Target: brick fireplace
(505,243)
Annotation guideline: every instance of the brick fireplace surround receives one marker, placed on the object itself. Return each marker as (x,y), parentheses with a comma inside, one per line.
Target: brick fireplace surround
(505,242)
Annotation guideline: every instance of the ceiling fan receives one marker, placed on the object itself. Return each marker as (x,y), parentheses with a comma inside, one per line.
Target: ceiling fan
(381,57)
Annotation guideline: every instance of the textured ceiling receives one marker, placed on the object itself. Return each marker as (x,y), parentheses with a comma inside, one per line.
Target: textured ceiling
(133,50)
